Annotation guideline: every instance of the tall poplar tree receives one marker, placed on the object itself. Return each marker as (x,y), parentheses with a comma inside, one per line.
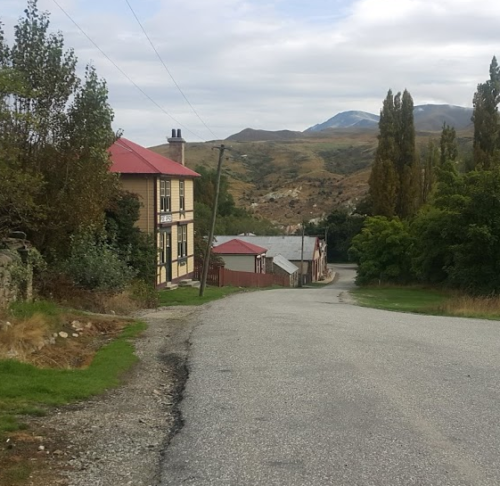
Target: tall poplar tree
(486,121)
(383,182)
(428,173)
(407,163)
(395,185)
(448,145)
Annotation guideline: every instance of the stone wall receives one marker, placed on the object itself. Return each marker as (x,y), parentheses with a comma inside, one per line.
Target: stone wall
(15,275)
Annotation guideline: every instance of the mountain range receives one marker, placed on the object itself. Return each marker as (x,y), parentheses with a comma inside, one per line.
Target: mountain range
(428,118)
(289,176)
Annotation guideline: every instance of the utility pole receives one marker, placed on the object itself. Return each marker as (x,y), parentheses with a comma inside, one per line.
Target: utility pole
(301,281)
(206,261)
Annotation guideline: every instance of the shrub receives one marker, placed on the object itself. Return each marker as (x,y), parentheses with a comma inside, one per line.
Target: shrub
(94,264)
(382,251)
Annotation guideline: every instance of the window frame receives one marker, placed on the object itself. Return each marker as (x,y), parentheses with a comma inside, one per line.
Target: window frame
(165,195)
(182,241)
(182,195)
(164,235)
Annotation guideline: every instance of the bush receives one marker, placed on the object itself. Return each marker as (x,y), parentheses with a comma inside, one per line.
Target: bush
(382,251)
(137,248)
(94,264)
(145,294)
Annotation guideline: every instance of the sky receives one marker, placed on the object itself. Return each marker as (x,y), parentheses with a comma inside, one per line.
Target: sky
(275,64)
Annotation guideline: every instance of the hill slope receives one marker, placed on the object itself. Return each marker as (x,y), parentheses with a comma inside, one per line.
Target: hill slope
(427,118)
(348,119)
(432,117)
(289,181)
(251,135)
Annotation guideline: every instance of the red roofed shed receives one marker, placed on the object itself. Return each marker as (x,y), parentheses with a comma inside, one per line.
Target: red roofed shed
(242,256)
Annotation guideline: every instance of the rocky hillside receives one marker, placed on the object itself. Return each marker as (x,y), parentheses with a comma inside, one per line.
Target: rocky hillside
(289,181)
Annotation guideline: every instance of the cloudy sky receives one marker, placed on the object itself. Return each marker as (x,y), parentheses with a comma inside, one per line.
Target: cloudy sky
(272,64)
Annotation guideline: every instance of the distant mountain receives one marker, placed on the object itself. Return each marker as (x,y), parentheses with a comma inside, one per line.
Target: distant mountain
(427,118)
(251,135)
(432,117)
(347,119)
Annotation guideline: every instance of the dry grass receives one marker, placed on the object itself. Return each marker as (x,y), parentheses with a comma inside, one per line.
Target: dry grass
(34,339)
(19,339)
(468,306)
(104,303)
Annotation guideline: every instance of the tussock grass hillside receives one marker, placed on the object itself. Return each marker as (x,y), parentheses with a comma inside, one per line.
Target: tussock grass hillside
(302,178)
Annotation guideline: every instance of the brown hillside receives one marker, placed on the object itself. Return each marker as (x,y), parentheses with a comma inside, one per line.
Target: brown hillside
(288,181)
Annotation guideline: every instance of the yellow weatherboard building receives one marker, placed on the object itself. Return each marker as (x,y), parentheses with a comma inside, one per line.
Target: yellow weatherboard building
(165,189)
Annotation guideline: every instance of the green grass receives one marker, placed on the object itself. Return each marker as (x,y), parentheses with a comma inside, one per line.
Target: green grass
(18,473)
(25,310)
(24,389)
(190,296)
(417,300)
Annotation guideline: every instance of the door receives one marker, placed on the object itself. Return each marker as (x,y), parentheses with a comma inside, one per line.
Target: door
(168,245)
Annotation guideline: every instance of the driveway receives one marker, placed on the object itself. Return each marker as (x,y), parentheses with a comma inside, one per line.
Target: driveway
(299,387)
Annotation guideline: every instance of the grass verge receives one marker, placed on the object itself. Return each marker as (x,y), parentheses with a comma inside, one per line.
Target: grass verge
(401,299)
(190,295)
(428,301)
(52,369)
(26,389)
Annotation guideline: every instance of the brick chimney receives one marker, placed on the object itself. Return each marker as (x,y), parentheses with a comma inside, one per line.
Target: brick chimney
(176,146)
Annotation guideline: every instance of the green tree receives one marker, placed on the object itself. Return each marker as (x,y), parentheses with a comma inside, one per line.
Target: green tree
(204,190)
(428,177)
(340,227)
(394,184)
(230,219)
(55,131)
(434,231)
(471,229)
(407,162)
(383,251)
(19,189)
(486,121)
(383,183)
(138,249)
(448,146)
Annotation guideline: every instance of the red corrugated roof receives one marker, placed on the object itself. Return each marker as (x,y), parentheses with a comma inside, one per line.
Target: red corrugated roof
(129,158)
(238,247)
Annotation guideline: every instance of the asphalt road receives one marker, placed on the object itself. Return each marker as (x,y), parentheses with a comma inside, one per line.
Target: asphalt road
(298,387)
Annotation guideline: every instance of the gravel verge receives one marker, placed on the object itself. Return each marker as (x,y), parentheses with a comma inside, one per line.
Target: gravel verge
(118,438)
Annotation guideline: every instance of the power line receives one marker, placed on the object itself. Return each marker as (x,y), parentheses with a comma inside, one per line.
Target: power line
(168,70)
(124,73)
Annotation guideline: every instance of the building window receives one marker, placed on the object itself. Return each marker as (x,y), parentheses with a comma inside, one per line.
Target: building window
(182,198)
(165,191)
(164,248)
(182,241)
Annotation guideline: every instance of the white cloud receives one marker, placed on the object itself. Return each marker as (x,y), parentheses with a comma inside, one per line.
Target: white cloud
(277,64)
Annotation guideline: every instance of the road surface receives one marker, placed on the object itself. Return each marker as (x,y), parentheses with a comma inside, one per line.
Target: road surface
(298,387)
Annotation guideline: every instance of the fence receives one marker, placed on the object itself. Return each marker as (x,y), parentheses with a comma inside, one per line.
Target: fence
(248,279)
(220,276)
(214,276)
